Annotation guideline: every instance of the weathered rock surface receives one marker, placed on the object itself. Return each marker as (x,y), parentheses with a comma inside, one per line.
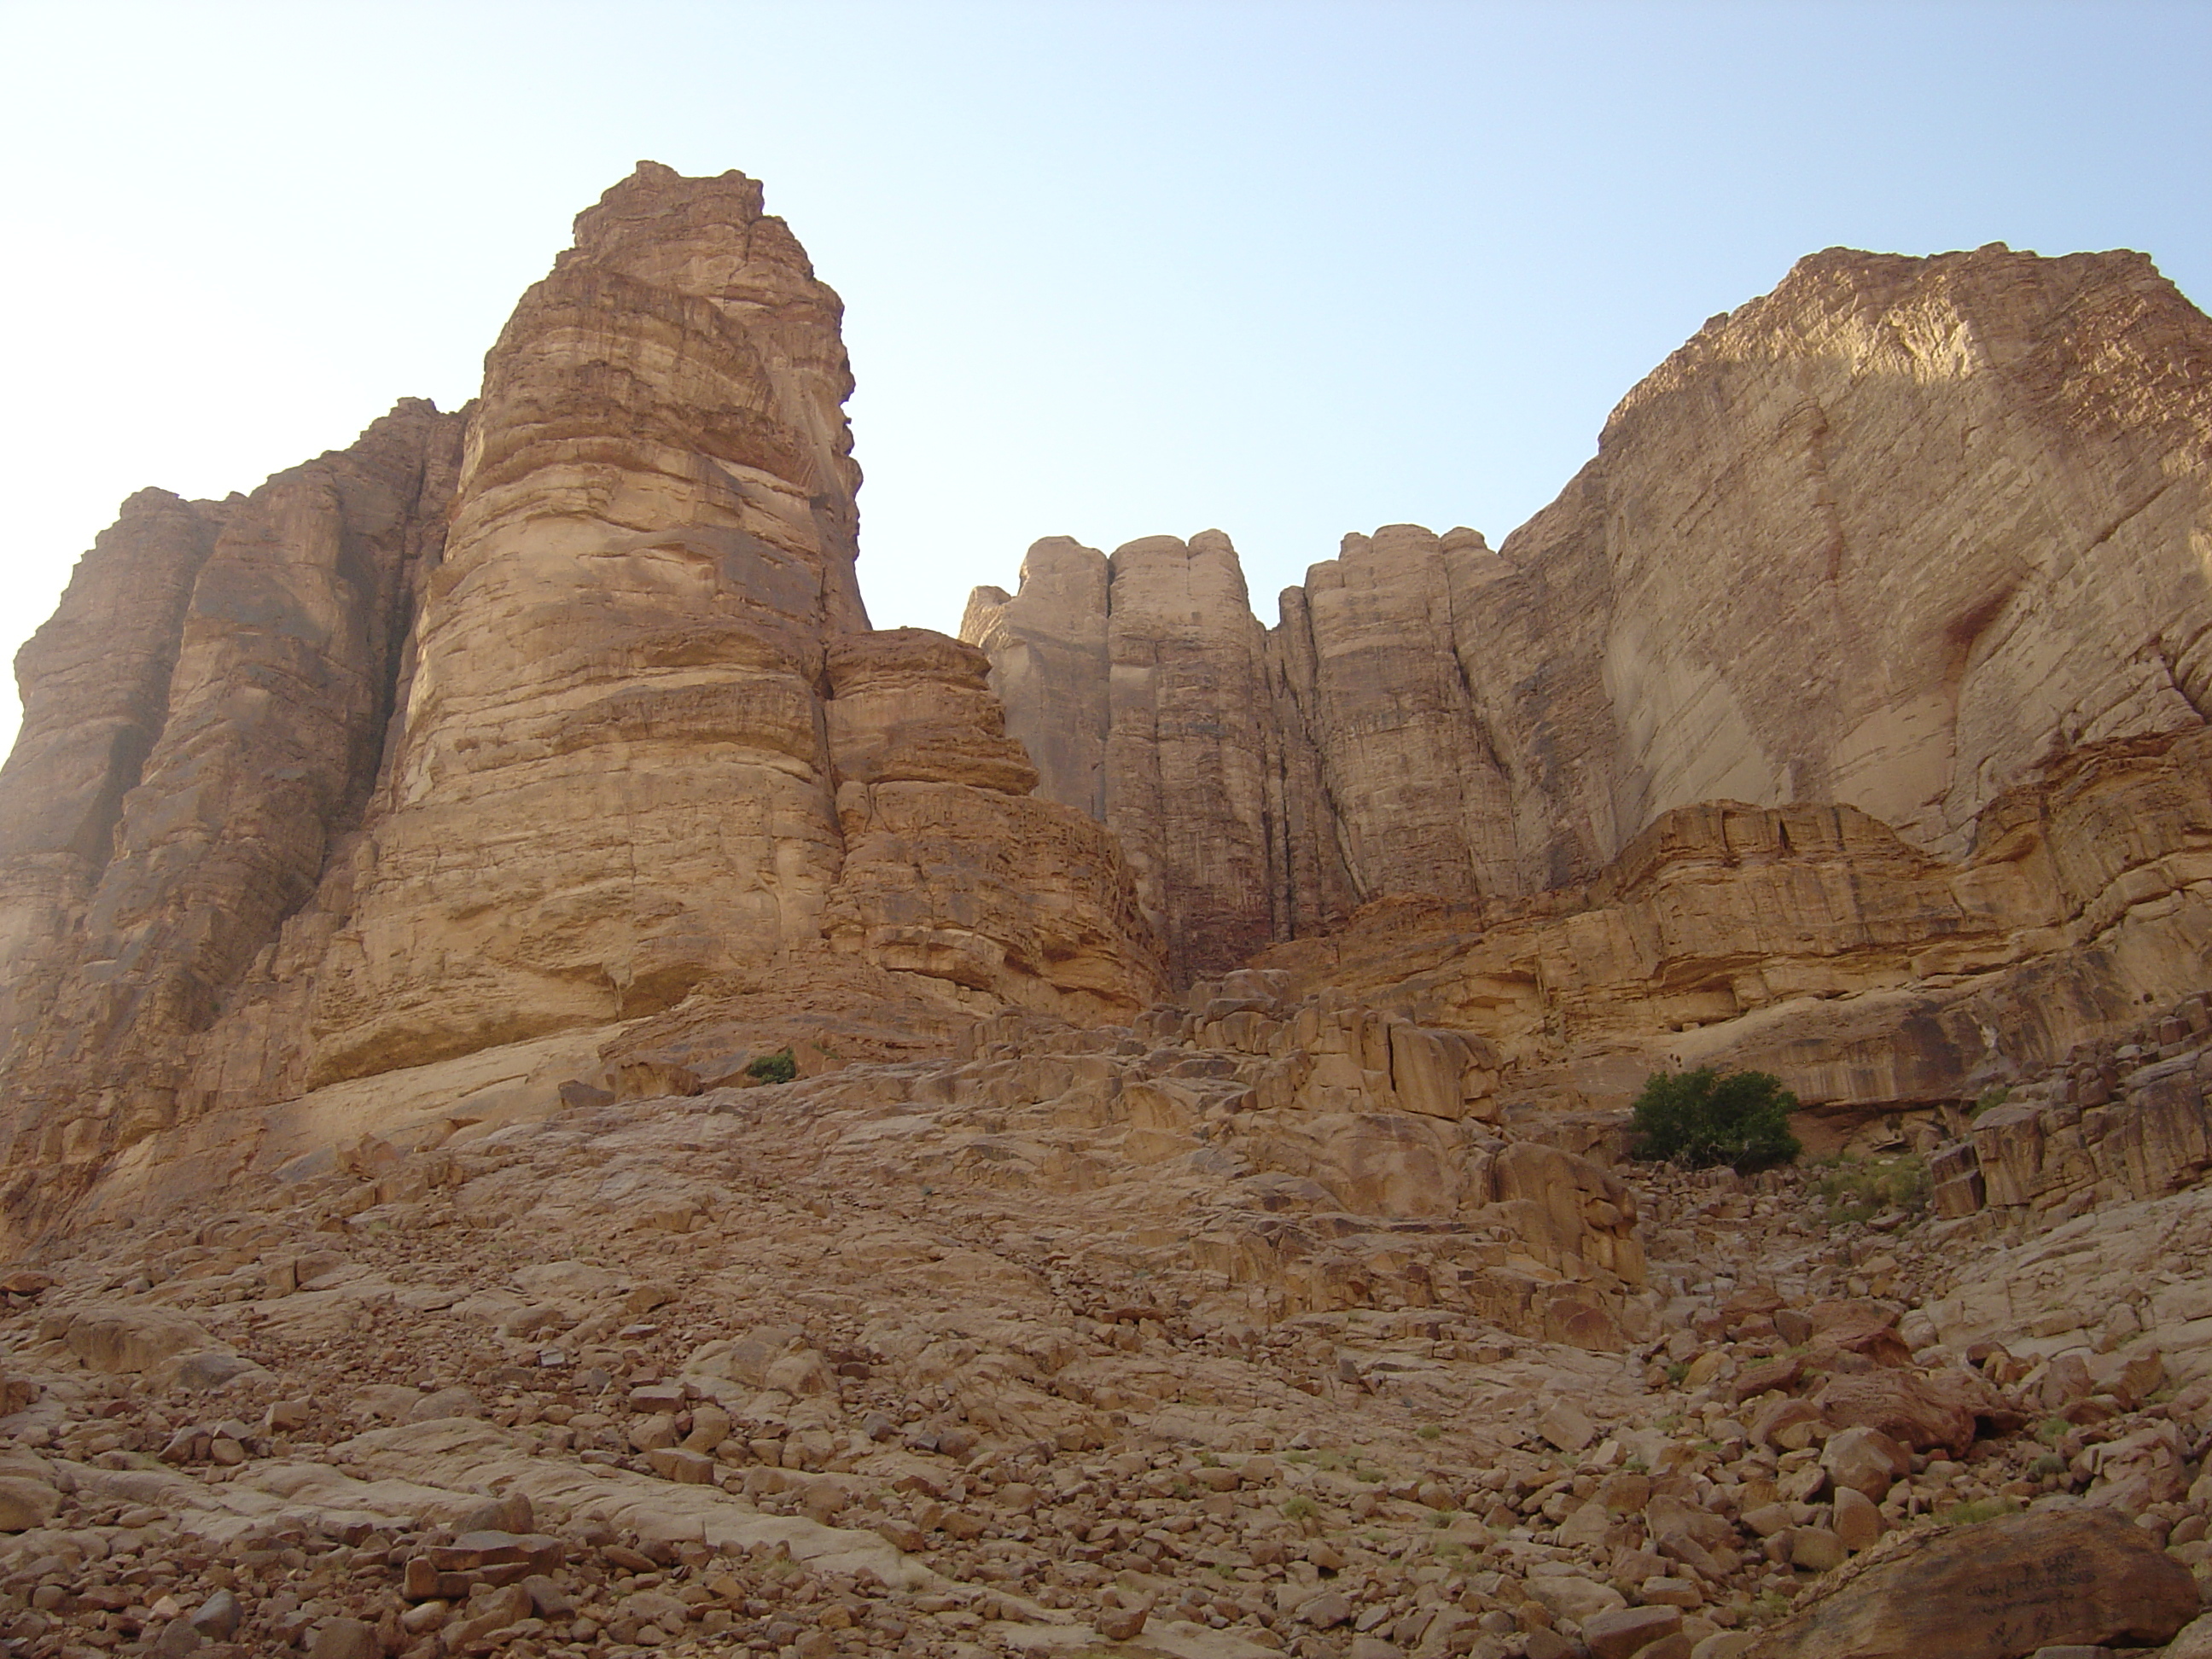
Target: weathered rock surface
(535,719)
(600,1105)
(1999,1590)
(1893,536)
(265,696)
(96,685)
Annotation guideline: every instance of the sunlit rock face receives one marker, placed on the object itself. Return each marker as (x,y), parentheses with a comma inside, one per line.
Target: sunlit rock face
(614,780)
(533,719)
(1896,536)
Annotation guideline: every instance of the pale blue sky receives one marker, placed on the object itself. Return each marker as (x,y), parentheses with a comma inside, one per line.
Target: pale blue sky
(1110,270)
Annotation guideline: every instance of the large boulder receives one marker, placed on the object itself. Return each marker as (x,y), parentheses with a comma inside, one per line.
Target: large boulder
(1998,1591)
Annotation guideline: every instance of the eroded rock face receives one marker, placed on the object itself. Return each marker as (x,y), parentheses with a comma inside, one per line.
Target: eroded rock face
(1814,942)
(265,694)
(534,721)
(651,542)
(1894,535)
(95,680)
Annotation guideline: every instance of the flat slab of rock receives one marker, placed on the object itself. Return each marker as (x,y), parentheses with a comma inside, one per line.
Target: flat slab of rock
(1998,1591)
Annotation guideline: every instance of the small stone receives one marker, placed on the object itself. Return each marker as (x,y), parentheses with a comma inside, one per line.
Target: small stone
(1325,1611)
(446,1403)
(1857,1522)
(1579,1599)
(547,1598)
(1628,1631)
(1865,1460)
(218,1617)
(1565,1426)
(686,1468)
(1119,1624)
(1672,1593)
(1816,1548)
(25,1503)
(346,1638)
(1769,1518)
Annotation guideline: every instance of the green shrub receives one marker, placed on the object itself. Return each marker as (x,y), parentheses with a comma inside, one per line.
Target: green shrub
(1860,1189)
(1706,1117)
(780,1066)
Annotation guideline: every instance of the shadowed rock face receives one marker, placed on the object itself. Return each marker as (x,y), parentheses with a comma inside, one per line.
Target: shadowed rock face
(181,809)
(1896,535)
(96,690)
(514,722)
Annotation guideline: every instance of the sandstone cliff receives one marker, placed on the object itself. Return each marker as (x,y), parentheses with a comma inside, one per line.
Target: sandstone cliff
(405,869)
(531,719)
(1896,536)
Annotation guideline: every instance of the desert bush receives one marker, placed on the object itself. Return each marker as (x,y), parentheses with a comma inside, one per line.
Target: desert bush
(1858,1189)
(780,1066)
(1706,1117)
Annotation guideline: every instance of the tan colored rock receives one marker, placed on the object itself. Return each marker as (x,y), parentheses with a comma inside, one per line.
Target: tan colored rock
(1858,1522)
(621,737)
(245,725)
(96,685)
(1497,723)
(1865,1461)
(1914,1409)
(25,1503)
(120,1339)
(1630,1631)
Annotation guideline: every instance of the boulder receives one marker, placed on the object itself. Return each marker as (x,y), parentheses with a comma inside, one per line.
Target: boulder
(25,1503)
(122,1339)
(1865,1461)
(1921,1410)
(1627,1632)
(1997,1591)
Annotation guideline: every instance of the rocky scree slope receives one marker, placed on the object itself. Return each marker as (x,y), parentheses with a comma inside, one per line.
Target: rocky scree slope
(799,1368)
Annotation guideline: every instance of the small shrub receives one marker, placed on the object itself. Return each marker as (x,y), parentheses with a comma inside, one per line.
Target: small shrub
(1860,1189)
(1300,1508)
(780,1066)
(1706,1117)
(1432,1431)
(1996,1095)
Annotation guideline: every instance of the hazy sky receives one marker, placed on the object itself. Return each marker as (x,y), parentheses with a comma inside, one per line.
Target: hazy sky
(1110,268)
